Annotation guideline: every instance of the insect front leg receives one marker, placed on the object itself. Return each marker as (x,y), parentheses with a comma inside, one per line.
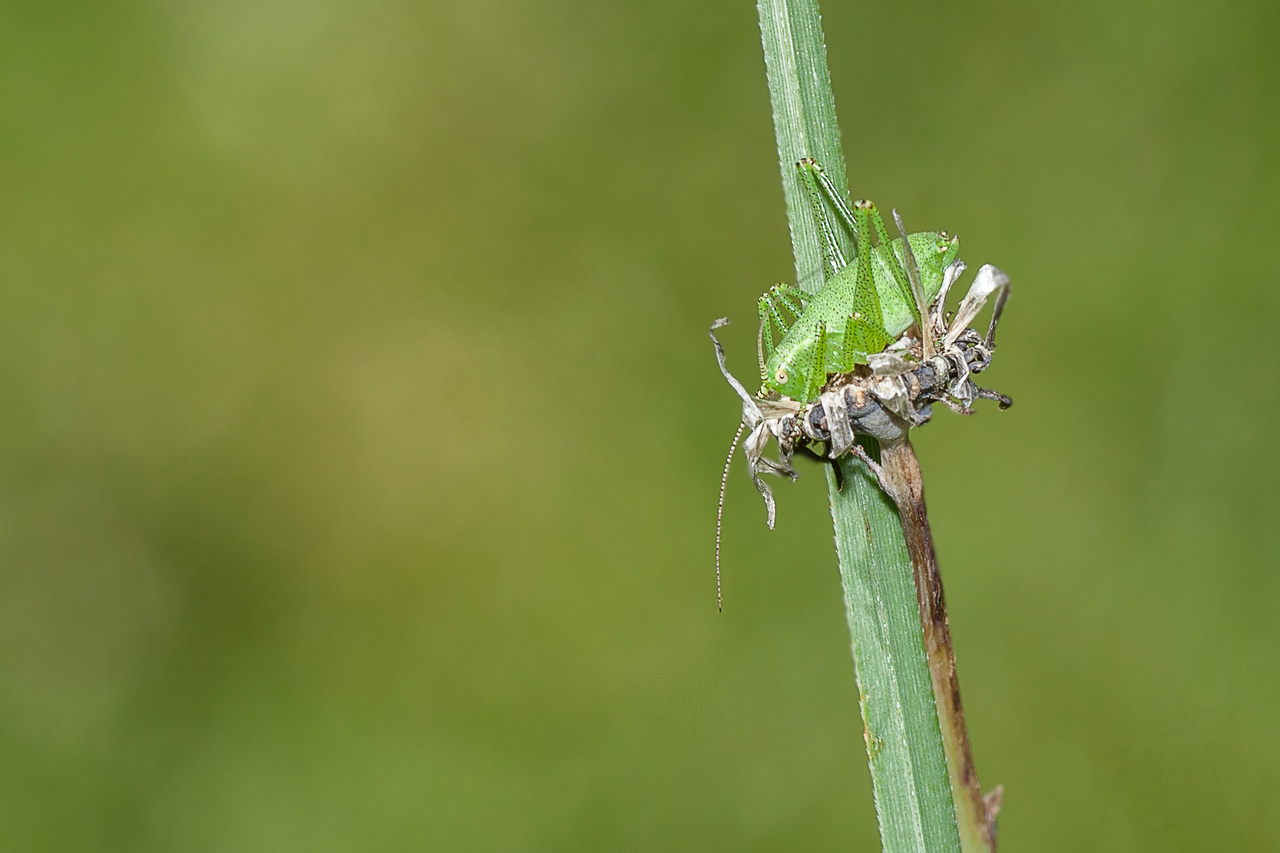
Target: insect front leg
(771,304)
(768,311)
(792,298)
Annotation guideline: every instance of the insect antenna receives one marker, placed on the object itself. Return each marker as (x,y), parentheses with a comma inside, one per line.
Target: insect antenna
(724,480)
(917,289)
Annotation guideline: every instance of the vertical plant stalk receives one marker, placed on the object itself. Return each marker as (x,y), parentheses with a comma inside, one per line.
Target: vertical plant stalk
(905,753)
(885,583)
(976,813)
(804,120)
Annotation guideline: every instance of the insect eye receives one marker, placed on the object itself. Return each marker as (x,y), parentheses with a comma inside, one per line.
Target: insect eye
(780,376)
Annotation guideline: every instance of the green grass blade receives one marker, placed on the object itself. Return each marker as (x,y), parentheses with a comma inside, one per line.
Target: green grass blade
(904,744)
(804,120)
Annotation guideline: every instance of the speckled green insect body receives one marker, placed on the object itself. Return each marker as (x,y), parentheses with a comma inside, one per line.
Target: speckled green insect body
(863,307)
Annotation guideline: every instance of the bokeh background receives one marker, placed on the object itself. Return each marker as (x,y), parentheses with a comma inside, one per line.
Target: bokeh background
(360,434)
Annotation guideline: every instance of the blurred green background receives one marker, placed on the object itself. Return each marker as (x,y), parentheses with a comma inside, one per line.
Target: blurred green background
(360,434)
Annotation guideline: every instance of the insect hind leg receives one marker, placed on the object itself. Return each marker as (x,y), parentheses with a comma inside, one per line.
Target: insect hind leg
(817,373)
(818,186)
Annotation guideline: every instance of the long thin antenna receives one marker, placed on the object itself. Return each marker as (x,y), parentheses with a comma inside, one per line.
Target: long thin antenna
(724,480)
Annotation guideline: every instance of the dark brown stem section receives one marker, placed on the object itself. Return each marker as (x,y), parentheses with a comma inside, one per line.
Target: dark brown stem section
(901,478)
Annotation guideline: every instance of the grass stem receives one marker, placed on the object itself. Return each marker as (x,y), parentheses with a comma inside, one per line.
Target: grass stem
(905,745)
